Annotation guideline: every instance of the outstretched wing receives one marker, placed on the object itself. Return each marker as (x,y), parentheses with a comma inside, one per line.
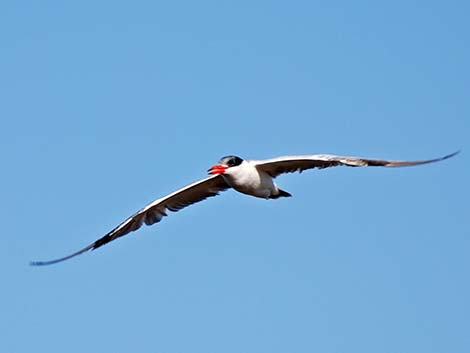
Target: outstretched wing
(290,164)
(155,211)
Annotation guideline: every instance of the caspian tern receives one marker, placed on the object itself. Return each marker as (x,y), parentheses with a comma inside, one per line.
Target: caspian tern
(251,177)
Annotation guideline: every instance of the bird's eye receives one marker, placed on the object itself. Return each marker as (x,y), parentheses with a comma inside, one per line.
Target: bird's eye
(231,161)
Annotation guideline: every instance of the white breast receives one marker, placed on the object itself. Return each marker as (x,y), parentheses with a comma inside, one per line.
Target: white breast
(247,179)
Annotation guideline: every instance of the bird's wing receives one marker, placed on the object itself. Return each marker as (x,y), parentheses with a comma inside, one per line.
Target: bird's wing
(155,211)
(290,164)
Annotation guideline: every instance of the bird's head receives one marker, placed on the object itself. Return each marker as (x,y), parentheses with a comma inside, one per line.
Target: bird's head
(224,164)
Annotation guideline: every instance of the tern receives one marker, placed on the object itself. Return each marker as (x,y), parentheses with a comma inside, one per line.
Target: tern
(250,177)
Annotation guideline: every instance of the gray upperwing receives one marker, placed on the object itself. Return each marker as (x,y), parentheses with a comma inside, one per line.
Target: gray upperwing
(290,164)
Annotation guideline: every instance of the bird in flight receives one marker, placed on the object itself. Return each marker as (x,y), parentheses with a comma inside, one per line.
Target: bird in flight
(250,177)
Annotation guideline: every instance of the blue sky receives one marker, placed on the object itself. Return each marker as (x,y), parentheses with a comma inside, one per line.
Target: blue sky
(108,105)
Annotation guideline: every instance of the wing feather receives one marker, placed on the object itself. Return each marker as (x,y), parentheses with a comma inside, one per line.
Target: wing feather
(290,164)
(155,211)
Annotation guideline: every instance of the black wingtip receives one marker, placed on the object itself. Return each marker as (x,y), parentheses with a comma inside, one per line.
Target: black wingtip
(451,155)
(38,263)
(413,163)
(45,263)
(446,157)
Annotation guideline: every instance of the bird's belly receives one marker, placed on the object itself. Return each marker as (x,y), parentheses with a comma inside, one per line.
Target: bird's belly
(254,186)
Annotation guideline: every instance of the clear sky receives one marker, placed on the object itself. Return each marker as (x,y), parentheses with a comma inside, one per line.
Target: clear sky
(107,105)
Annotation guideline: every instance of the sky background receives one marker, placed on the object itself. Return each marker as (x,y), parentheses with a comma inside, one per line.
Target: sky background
(107,105)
